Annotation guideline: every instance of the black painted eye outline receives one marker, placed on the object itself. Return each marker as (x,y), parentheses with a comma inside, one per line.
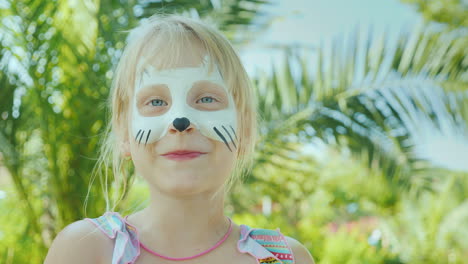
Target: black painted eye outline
(220,134)
(141,136)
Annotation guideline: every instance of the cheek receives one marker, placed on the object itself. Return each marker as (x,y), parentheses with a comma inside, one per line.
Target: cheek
(143,153)
(145,159)
(223,157)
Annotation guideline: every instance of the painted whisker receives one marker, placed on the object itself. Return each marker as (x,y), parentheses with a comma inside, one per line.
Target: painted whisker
(141,136)
(234,133)
(230,136)
(136,137)
(147,136)
(222,137)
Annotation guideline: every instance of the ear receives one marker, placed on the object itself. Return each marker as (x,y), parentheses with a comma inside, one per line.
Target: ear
(122,139)
(125,148)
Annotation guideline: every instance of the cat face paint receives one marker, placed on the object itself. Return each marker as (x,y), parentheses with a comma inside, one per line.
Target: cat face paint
(174,96)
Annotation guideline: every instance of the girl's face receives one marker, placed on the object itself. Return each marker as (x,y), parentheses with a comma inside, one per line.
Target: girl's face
(183,108)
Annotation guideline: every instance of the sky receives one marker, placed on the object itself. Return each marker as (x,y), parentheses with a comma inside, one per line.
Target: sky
(308,22)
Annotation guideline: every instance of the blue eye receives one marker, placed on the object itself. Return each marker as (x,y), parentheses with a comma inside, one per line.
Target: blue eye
(210,99)
(157,102)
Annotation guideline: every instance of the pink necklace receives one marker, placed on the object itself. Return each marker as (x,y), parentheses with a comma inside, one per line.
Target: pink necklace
(197,255)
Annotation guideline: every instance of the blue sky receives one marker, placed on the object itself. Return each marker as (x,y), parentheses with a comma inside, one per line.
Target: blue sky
(308,22)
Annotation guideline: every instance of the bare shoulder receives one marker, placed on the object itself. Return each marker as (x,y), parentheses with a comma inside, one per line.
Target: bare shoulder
(79,242)
(300,252)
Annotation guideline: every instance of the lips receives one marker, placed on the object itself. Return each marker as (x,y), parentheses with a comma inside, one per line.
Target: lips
(180,155)
(183,152)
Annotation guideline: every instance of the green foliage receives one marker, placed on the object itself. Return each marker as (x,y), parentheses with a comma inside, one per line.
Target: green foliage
(333,215)
(352,248)
(432,227)
(354,215)
(454,13)
(15,232)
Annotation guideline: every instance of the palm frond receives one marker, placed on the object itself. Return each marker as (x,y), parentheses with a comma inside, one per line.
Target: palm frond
(392,100)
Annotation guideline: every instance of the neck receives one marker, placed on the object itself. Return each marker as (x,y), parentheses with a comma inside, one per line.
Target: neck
(184,225)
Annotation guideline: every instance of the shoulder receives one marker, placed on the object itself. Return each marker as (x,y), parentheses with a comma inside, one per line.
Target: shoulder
(79,242)
(300,252)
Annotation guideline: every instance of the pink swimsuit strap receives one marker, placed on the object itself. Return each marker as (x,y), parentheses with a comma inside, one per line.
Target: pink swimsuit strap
(265,245)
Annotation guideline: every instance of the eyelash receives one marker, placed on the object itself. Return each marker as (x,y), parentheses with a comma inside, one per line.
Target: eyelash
(150,102)
(214,99)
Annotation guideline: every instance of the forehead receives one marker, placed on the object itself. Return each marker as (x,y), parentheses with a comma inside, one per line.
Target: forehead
(162,54)
(183,74)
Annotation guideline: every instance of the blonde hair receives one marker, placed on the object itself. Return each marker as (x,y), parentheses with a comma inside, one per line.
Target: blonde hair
(168,34)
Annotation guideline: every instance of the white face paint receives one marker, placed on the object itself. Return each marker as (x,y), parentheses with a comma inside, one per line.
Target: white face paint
(174,88)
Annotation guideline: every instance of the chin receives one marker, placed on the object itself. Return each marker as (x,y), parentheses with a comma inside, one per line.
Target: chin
(184,183)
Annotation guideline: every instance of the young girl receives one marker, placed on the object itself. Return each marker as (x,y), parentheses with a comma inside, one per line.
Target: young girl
(183,111)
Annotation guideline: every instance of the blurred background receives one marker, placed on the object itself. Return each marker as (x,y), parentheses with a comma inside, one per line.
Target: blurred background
(363,155)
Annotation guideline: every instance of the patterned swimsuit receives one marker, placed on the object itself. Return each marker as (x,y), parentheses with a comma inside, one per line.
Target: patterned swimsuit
(265,245)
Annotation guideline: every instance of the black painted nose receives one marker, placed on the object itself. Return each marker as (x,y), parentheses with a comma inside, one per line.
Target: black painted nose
(181,123)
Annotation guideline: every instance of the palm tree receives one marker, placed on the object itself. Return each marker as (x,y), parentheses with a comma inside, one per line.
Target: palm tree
(387,99)
(401,105)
